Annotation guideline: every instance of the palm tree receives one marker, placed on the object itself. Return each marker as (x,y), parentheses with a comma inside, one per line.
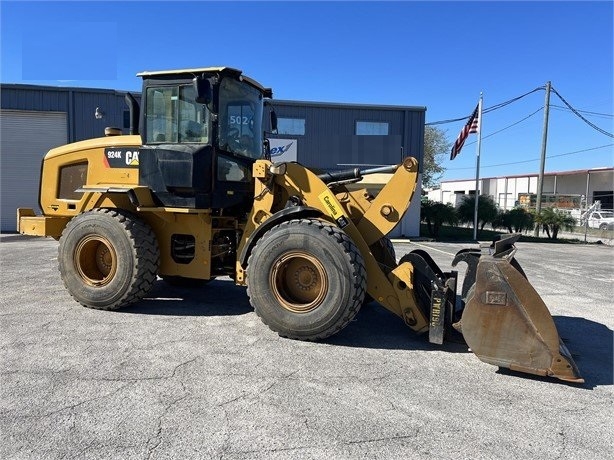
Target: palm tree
(552,220)
(487,210)
(514,220)
(436,214)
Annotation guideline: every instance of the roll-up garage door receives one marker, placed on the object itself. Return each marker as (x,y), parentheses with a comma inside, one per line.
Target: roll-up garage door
(25,137)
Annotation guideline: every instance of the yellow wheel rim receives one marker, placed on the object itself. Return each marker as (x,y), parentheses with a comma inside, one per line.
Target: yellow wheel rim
(95,260)
(299,282)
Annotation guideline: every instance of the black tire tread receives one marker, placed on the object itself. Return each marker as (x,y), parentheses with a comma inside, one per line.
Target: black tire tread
(145,253)
(359,276)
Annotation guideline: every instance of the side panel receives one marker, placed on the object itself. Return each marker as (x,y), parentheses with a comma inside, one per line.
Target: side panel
(93,166)
(194,244)
(179,175)
(173,229)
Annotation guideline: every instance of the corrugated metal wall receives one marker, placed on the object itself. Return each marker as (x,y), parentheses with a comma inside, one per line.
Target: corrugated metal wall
(79,103)
(330,140)
(112,104)
(25,137)
(41,98)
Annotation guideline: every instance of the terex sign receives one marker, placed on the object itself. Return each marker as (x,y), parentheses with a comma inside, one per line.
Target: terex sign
(283,150)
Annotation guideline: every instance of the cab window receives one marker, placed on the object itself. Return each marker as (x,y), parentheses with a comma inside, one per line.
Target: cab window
(173,116)
(240,119)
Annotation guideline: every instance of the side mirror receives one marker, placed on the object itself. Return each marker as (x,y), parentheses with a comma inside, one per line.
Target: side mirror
(273,121)
(203,90)
(267,149)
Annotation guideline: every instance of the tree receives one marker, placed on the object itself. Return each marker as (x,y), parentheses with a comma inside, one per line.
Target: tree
(435,148)
(487,210)
(435,214)
(514,220)
(552,220)
(502,220)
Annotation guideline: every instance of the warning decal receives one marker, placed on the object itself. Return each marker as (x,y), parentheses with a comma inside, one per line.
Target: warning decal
(333,208)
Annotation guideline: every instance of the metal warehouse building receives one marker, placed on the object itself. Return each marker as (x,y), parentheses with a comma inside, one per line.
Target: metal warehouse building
(564,189)
(34,119)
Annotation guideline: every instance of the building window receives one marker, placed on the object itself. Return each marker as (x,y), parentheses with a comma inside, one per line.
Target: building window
(295,126)
(371,128)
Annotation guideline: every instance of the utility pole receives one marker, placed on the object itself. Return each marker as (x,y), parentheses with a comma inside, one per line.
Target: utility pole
(540,179)
(477,170)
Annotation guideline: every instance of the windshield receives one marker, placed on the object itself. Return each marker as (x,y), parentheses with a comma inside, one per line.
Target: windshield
(240,118)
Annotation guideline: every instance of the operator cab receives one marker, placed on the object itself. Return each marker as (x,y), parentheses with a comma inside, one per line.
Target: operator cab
(201,131)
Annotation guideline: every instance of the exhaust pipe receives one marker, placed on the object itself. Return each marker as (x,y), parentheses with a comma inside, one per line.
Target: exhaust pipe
(135,113)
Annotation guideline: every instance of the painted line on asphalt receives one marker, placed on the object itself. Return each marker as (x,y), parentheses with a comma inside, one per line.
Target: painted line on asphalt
(432,249)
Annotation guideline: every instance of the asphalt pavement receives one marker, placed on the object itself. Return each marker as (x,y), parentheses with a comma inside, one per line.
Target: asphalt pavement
(193,373)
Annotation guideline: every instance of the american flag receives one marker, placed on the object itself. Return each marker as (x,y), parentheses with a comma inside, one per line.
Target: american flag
(472,126)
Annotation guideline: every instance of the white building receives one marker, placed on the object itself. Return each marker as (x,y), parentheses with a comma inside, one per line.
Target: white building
(569,189)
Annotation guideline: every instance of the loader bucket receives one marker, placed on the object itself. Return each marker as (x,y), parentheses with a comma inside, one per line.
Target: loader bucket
(506,323)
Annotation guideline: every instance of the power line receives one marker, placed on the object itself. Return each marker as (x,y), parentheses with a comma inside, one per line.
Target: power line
(598,114)
(580,151)
(488,109)
(503,104)
(507,127)
(536,159)
(579,115)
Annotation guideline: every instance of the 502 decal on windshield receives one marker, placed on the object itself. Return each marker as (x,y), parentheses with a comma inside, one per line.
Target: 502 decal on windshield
(239,120)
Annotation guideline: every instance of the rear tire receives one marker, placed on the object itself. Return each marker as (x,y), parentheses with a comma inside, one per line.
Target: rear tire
(306,279)
(108,258)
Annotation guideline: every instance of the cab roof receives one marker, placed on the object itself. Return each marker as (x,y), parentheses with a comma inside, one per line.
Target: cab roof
(199,70)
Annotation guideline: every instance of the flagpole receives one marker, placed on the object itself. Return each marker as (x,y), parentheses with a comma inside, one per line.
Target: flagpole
(477,171)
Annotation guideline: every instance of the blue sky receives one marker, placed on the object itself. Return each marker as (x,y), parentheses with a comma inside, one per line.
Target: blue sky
(435,54)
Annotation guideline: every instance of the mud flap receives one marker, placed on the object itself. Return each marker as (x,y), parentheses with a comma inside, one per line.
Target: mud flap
(506,323)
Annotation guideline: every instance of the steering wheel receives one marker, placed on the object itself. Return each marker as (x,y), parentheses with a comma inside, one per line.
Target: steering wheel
(239,142)
(234,135)
(246,141)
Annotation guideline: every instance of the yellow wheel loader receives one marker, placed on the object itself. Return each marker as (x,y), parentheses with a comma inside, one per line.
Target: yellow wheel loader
(191,194)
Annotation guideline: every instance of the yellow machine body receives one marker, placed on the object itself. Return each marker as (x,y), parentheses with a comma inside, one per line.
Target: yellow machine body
(83,165)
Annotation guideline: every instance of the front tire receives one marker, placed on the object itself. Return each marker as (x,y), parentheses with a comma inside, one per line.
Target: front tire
(306,279)
(108,258)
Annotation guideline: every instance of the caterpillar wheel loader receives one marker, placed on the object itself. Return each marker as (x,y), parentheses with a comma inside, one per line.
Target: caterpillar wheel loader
(191,194)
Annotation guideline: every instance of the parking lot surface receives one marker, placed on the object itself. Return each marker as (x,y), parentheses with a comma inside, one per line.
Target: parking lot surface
(193,373)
